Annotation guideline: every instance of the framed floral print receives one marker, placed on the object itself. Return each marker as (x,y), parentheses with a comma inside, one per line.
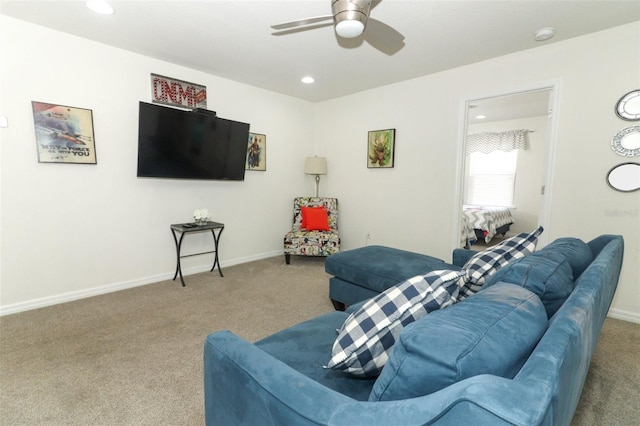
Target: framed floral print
(381,148)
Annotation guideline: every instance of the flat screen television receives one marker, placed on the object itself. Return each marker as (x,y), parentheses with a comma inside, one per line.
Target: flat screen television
(178,144)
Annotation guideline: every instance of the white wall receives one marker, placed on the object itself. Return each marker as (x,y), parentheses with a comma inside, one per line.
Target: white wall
(70,229)
(530,168)
(412,206)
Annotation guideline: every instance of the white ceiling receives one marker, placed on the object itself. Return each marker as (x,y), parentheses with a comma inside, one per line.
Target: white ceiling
(233,40)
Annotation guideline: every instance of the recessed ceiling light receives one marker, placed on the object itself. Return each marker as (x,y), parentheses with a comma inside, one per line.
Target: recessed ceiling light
(307,80)
(544,34)
(481,117)
(100,6)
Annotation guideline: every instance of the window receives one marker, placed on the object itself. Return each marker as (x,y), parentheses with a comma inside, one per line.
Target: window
(492,178)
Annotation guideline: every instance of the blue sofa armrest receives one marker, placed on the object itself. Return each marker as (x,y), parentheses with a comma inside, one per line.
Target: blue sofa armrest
(461,256)
(245,385)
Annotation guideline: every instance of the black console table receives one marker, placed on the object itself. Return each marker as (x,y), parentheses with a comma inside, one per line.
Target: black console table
(185,228)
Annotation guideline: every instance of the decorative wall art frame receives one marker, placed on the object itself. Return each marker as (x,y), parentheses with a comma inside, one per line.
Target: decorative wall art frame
(64,134)
(628,106)
(257,152)
(627,142)
(624,177)
(179,93)
(381,146)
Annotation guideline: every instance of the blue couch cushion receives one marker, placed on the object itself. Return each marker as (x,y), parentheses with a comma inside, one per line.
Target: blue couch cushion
(380,267)
(368,334)
(577,252)
(492,332)
(305,348)
(546,273)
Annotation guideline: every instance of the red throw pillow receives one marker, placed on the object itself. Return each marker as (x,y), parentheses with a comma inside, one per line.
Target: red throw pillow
(303,211)
(303,214)
(315,219)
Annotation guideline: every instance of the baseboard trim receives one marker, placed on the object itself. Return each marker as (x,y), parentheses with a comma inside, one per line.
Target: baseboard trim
(110,288)
(624,315)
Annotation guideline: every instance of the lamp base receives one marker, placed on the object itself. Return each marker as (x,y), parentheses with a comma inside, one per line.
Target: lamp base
(317,184)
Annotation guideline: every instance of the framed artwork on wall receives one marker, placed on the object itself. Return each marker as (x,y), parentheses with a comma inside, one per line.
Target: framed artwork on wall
(64,134)
(257,152)
(628,107)
(381,146)
(179,93)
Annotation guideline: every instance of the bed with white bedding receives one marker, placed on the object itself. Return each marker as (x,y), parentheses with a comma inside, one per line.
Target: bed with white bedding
(486,222)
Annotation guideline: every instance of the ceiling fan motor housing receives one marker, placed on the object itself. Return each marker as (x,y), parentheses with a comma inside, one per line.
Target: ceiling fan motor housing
(350,16)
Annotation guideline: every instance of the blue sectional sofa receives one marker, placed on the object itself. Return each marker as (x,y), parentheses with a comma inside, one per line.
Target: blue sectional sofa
(516,352)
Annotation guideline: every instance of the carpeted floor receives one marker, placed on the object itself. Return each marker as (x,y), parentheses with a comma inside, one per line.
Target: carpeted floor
(135,356)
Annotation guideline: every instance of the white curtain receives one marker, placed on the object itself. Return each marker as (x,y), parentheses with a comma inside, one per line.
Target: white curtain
(487,142)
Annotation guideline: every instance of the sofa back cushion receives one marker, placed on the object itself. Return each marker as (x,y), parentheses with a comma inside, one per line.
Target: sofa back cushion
(548,274)
(577,252)
(492,332)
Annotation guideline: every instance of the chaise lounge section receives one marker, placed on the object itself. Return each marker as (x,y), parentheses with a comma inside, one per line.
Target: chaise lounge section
(365,272)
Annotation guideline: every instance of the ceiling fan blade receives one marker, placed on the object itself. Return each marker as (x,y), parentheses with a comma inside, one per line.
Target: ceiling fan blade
(302,22)
(383,37)
(300,29)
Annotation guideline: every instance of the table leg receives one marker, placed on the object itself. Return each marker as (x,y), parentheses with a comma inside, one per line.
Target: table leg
(178,266)
(216,261)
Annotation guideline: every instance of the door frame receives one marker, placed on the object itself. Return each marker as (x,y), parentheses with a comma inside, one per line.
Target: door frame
(545,209)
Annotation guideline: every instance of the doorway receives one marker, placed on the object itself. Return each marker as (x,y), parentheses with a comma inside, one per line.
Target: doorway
(533,111)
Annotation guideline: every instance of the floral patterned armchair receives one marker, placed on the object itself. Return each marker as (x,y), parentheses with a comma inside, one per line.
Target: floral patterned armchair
(302,242)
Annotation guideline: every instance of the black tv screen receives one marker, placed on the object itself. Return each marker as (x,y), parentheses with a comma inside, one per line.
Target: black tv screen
(179,144)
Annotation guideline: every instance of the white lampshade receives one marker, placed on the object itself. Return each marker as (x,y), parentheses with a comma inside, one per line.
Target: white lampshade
(315,166)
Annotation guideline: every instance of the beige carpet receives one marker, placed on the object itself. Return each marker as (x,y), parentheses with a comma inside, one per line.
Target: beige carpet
(134,357)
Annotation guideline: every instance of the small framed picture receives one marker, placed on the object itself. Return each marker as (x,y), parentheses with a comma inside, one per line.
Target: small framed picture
(64,134)
(381,145)
(257,152)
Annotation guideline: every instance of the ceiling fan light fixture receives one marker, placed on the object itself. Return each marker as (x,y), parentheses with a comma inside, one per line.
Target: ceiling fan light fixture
(350,17)
(349,28)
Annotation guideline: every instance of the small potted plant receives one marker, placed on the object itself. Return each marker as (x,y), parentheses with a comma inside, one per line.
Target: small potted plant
(201,216)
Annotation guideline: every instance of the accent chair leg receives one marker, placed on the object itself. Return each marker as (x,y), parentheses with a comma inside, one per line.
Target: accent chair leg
(287,258)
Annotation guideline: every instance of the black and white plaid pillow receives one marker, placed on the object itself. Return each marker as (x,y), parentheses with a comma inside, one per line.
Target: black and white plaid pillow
(487,262)
(364,341)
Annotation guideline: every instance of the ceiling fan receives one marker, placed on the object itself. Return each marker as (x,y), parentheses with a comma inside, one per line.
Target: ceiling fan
(352,22)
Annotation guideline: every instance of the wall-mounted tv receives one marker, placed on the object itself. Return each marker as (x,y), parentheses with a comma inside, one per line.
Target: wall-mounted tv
(178,144)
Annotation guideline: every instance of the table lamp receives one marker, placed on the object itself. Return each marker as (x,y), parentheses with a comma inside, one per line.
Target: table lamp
(315,166)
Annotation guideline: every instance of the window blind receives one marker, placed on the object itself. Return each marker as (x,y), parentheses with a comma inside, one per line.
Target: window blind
(492,178)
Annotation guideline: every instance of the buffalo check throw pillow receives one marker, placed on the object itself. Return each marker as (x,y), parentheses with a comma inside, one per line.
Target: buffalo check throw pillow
(485,263)
(367,336)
